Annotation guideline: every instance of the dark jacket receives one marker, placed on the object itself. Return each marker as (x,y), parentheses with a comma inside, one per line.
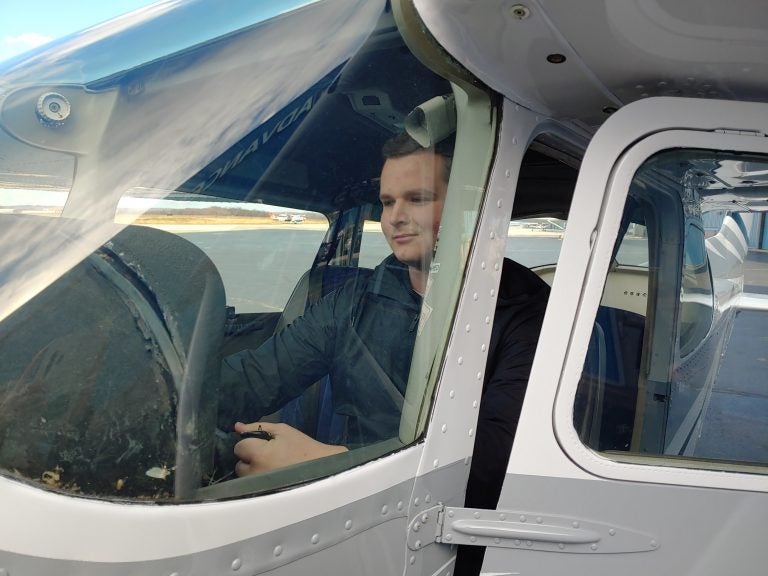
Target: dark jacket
(361,336)
(520,310)
(519,313)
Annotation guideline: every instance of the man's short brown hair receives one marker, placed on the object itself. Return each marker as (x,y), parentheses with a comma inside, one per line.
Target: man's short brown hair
(403,145)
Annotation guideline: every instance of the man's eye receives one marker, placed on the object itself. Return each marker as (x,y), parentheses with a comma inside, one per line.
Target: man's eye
(386,203)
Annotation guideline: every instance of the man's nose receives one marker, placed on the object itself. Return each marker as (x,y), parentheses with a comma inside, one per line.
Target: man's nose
(399,213)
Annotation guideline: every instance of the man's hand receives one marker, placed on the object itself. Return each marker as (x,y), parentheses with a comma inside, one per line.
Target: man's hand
(288,446)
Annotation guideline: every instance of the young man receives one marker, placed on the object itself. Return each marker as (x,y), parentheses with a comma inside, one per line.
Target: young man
(362,334)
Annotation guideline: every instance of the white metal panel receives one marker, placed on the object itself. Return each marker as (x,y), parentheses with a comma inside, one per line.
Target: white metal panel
(510,55)
(110,532)
(693,531)
(450,435)
(676,47)
(615,52)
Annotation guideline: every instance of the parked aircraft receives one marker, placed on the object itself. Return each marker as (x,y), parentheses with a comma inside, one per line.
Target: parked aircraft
(639,127)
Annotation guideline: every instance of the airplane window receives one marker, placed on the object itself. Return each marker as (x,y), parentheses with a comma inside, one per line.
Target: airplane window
(205,293)
(542,200)
(633,250)
(373,245)
(535,242)
(606,397)
(232,234)
(679,381)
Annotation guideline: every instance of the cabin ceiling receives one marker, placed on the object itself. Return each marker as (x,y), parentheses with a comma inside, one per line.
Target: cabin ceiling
(615,52)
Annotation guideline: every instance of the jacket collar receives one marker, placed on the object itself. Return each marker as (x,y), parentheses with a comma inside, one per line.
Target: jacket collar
(391,280)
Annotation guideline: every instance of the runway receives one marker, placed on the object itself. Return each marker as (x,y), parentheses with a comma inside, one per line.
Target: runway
(261,265)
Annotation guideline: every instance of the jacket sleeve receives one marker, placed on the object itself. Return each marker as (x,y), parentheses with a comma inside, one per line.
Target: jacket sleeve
(254,383)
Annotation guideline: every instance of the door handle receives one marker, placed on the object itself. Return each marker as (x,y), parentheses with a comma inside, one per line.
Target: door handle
(531,531)
(521,531)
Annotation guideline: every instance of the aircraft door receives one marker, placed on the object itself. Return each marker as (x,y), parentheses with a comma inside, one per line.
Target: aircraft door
(640,447)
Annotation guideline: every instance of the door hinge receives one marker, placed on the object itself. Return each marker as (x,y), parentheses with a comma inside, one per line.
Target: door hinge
(524,530)
(423,529)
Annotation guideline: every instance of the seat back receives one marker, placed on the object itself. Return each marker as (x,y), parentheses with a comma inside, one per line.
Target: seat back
(607,394)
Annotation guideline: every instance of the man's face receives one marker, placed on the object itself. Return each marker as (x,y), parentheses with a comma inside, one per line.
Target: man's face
(412,194)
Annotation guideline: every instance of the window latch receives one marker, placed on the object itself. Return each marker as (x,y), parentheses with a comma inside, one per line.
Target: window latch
(733,132)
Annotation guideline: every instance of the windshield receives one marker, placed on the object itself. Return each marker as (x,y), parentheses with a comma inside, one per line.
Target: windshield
(206,197)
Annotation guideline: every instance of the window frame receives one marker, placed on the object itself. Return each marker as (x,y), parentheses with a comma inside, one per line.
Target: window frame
(639,468)
(689,346)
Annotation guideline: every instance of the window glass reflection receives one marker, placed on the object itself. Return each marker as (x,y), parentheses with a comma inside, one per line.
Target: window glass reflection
(678,379)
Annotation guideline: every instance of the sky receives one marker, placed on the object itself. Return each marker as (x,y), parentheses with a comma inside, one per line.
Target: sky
(26,24)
